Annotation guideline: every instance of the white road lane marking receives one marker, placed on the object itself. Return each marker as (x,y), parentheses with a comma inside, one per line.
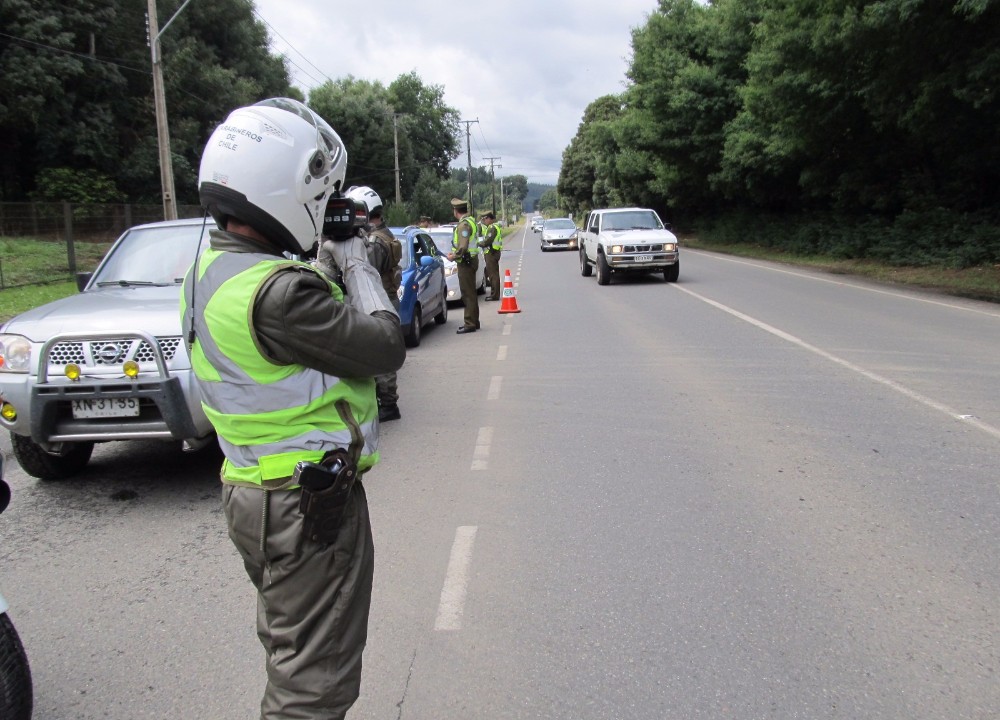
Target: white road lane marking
(481,453)
(506,329)
(456,581)
(904,296)
(502,352)
(933,404)
(494,392)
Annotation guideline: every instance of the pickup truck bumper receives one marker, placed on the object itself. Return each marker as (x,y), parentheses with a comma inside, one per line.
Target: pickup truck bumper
(642,261)
(44,400)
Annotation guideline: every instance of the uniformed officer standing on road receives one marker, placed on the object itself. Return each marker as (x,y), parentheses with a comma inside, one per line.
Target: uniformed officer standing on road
(492,245)
(384,253)
(284,365)
(465,252)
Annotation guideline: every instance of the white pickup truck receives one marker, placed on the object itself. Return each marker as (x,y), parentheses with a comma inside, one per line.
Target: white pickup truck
(620,240)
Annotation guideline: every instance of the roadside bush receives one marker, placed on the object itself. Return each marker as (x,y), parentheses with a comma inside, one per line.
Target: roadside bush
(933,237)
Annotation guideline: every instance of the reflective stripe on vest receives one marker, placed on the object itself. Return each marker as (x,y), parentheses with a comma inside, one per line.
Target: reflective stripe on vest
(473,247)
(268,417)
(498,238)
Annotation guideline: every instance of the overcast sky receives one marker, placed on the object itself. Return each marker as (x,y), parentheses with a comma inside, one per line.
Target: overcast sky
(539,63)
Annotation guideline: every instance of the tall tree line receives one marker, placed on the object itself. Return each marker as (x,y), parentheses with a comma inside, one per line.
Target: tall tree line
(77,120)
(844,119)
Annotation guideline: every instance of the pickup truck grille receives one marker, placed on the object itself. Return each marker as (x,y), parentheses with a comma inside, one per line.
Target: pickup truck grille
(95,353)
(643,248)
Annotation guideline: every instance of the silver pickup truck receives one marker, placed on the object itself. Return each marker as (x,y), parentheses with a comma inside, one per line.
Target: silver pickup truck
(627,240)
(108,363)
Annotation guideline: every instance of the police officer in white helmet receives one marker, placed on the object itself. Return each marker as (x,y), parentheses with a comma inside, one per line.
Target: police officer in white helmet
(284,362)
(384,253)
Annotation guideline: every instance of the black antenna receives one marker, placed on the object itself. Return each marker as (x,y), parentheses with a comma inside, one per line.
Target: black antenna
(194,279)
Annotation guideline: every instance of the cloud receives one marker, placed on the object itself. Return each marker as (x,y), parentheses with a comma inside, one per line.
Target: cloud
(526,70)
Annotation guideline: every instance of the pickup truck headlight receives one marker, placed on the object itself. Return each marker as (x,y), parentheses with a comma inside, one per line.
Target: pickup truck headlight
(669,247)
(616,249)
(15,353)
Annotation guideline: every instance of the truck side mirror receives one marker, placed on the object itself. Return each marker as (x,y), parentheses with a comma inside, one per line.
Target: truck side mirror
(82,278)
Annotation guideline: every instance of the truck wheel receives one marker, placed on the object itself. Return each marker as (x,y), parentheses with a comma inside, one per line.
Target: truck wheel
(585,268)
(45,465)
(672,272)
(412,335)
(15,677)
(603,271)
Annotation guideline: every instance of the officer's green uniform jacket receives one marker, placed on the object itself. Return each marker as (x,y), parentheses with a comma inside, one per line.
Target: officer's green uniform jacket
(493,242)
(284,367)
(463,247)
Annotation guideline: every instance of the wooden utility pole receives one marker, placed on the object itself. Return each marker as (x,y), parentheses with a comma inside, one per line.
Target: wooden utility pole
(395,141)
(493,183)
(468,160)
(160,107)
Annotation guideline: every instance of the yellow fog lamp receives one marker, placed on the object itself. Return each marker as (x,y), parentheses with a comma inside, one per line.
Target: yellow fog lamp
(131,368)
(73,371)
(7,412)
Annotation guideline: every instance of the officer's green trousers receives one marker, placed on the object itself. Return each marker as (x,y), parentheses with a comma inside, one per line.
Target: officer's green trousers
(467,284)
(312,601)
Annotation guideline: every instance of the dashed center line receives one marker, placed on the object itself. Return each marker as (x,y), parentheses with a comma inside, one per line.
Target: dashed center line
(494,392)
(481,453)
(456,581)
(502,352)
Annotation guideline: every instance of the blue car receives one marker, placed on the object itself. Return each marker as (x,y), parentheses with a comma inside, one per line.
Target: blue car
(423,294)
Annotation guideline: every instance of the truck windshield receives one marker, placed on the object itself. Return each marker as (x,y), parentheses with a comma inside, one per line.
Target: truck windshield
(632,220)
(154,255)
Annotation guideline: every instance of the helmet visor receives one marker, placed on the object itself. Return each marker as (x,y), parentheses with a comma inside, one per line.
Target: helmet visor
(328,145)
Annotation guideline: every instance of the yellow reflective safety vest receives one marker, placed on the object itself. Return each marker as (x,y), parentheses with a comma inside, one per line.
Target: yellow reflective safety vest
(268,417)
(473,246)
(497,239)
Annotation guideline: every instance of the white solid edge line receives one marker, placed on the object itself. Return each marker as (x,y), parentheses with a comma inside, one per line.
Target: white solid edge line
(904,296)
(934,404)
(456,581)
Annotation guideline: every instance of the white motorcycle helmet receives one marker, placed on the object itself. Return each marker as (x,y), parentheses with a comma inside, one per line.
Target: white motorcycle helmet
(272,166)
(367,197)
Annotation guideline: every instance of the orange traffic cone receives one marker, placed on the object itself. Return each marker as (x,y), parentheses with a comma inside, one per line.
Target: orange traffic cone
(508,303)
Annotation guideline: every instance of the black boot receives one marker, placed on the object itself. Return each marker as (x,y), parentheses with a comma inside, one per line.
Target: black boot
(388,412)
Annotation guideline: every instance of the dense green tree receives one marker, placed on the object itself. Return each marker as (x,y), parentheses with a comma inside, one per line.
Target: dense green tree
(76,88)
(362,112)
(428,124)
(588,177)
(57,102)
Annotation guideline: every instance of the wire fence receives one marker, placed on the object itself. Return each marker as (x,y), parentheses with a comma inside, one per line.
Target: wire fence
(34,237)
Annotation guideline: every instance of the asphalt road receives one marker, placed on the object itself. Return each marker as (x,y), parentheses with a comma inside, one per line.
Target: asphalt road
(760,492)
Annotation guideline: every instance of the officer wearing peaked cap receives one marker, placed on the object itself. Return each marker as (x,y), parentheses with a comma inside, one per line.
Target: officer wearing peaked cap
(465,252)
(492,245)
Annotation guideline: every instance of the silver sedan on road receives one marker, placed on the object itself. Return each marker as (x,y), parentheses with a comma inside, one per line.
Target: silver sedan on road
(559,233)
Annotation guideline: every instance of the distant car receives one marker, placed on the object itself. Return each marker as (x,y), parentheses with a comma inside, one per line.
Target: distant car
(536,223)
(442,239)
(423,293)
(559,233)
(109,363)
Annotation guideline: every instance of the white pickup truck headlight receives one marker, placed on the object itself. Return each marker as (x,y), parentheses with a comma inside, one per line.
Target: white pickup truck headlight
(669,247)
(616,249)
(15,353)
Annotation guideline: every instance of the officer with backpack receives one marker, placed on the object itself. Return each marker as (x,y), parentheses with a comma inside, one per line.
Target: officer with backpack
(384,253)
